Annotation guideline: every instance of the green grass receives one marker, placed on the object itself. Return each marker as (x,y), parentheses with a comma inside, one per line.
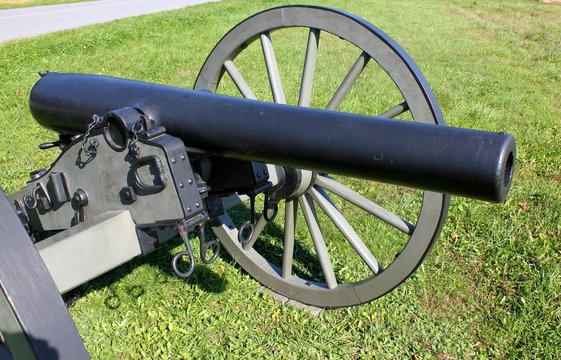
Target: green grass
(14,5)
(491,286)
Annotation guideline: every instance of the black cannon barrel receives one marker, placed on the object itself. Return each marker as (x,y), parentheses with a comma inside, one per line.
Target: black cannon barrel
(465,162)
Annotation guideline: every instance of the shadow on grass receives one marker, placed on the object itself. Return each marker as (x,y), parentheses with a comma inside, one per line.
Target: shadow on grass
(160,259)
(306,265)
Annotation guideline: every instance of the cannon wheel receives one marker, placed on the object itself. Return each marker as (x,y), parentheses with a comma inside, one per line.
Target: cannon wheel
(274,266)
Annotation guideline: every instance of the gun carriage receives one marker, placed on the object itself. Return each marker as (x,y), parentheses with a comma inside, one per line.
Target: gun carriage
(142,162)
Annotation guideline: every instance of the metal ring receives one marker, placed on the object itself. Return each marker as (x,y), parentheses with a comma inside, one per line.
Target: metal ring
(30,201)
(245,239)
(204,249)
(175,260)
(270,205)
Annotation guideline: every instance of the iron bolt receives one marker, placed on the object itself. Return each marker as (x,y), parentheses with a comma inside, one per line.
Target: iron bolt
(80,197)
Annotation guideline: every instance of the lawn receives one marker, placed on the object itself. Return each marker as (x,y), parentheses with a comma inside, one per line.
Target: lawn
(13,4)
(491,286)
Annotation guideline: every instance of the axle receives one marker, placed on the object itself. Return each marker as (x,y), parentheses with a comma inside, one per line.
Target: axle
(465,162)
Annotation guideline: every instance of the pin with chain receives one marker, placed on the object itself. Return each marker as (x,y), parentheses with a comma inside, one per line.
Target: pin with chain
(91,149)
(134,148)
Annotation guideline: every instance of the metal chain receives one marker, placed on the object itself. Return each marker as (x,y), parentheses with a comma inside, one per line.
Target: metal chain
(134,149)
(95,121)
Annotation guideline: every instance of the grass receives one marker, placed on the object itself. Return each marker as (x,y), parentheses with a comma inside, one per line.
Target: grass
(20,4)
(491,286)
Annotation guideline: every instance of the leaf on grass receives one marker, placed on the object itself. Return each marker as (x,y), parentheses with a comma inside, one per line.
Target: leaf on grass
(524,206)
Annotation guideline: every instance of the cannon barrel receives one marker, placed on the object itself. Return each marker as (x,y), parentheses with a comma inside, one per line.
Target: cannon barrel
(472,163)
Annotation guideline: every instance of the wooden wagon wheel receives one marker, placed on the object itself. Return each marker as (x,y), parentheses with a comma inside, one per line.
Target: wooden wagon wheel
(317,272)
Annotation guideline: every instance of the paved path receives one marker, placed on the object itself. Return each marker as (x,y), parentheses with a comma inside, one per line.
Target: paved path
(38,20)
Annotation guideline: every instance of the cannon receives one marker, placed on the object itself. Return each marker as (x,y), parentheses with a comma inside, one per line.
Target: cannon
(284,186)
